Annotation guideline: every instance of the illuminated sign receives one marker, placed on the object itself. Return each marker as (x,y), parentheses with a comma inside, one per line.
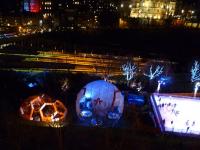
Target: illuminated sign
(32,6)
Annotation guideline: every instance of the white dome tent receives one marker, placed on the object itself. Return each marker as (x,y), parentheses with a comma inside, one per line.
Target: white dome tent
(99,101)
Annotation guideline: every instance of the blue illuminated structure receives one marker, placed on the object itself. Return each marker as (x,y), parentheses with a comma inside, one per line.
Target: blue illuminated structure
(98,102)
(85,113)
(96,122)
(26,5)
(32,85)
(112,115)
(32,79)
(135,99)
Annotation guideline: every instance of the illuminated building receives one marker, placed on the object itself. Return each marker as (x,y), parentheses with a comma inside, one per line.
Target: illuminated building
(43,109)
(33,6)
(47,8)
(152,9)
(99,101)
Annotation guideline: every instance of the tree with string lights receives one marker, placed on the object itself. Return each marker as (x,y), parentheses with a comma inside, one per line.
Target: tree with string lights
(129,70)
(195,76)
(153,74)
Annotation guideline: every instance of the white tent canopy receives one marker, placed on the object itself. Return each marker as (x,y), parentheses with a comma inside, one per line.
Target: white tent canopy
(99,98)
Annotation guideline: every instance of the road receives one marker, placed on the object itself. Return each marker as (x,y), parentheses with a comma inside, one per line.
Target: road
(82,62)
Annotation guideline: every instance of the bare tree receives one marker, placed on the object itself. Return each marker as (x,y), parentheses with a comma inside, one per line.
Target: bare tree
(129,70)
(195,76)
(153,74)
(195,72)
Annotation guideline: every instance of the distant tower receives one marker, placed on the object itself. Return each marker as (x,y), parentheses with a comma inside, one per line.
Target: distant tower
(33,6)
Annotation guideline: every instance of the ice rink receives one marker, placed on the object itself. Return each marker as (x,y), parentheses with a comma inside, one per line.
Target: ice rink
(177,113)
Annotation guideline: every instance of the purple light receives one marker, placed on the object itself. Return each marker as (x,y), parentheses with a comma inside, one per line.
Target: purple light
(177,113)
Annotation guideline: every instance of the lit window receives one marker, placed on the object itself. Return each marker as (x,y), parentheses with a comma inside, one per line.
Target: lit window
(76,3)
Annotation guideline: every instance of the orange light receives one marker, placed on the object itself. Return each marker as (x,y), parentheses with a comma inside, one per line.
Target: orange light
(42,108)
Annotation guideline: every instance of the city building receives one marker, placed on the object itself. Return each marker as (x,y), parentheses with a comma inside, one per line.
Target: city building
(125,8)
(47,8)
(86,13)
(153,9)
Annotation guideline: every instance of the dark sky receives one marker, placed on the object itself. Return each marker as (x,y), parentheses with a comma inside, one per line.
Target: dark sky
(8,5)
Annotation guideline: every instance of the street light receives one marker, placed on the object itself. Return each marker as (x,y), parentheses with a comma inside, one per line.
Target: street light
(182,11)
(20,29)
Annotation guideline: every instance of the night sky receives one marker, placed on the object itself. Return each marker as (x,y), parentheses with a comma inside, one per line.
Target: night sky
(9,5)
